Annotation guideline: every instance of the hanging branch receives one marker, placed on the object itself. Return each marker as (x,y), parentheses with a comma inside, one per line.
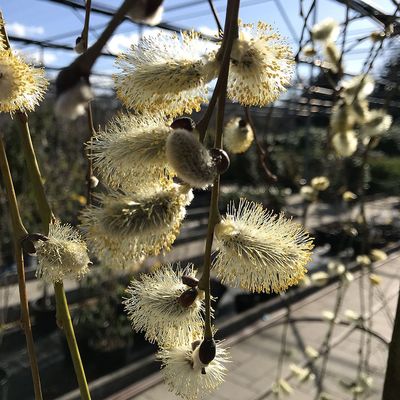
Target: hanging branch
(89,172)
(82,65)
(46,216)
(262,153)
(89,113)
(230,33)
(84,38)
(18,233)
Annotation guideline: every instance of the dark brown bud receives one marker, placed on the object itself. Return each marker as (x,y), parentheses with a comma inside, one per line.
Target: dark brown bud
(221,160)
(190,281)
(152,6)
(188,297)
(78,40)
(195,344)
(28,246)
(184,123)
(27,242)
(207,351)
(242,123)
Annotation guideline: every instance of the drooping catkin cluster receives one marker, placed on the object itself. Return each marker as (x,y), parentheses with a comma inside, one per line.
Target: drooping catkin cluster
(261,66)
(63,255)
(162,77)
(22,86)
(326,32)
(127,227)
(351,117)
(259,251)
(166,73)
(167,307)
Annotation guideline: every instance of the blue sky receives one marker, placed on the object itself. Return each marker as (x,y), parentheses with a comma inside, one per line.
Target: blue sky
(46,20)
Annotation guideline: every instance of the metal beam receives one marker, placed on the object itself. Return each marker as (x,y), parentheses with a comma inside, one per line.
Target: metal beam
(367,8)
(104,10)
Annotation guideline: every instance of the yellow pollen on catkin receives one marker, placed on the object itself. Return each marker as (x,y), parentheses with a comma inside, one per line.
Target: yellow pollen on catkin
(261,68)
(166,73)
(22,86)
(259,251)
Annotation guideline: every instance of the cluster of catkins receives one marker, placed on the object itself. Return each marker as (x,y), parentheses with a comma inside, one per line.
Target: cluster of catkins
(351,119)
(149,159)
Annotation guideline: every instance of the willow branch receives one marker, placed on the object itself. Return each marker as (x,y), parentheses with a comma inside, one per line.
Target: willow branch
(92,131)
(71,339)
(85,31)
(230,33)
(227,44)
(262,153)
(88,153)
(86,60)
(34,173)
(46,216)
(18,233)
(63,316)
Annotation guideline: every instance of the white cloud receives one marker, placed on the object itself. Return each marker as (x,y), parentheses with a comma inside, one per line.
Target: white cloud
(120,42)
(208,31)
(46,59)
(37,57)
(17,29)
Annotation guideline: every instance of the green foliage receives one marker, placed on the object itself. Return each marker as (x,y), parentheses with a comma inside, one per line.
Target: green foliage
(385,175)
(298,153)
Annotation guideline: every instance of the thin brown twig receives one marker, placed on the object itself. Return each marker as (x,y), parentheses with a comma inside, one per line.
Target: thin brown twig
(215,15)
(85,31)
(89,114)
(89,171)
(85,61)
(262,153)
